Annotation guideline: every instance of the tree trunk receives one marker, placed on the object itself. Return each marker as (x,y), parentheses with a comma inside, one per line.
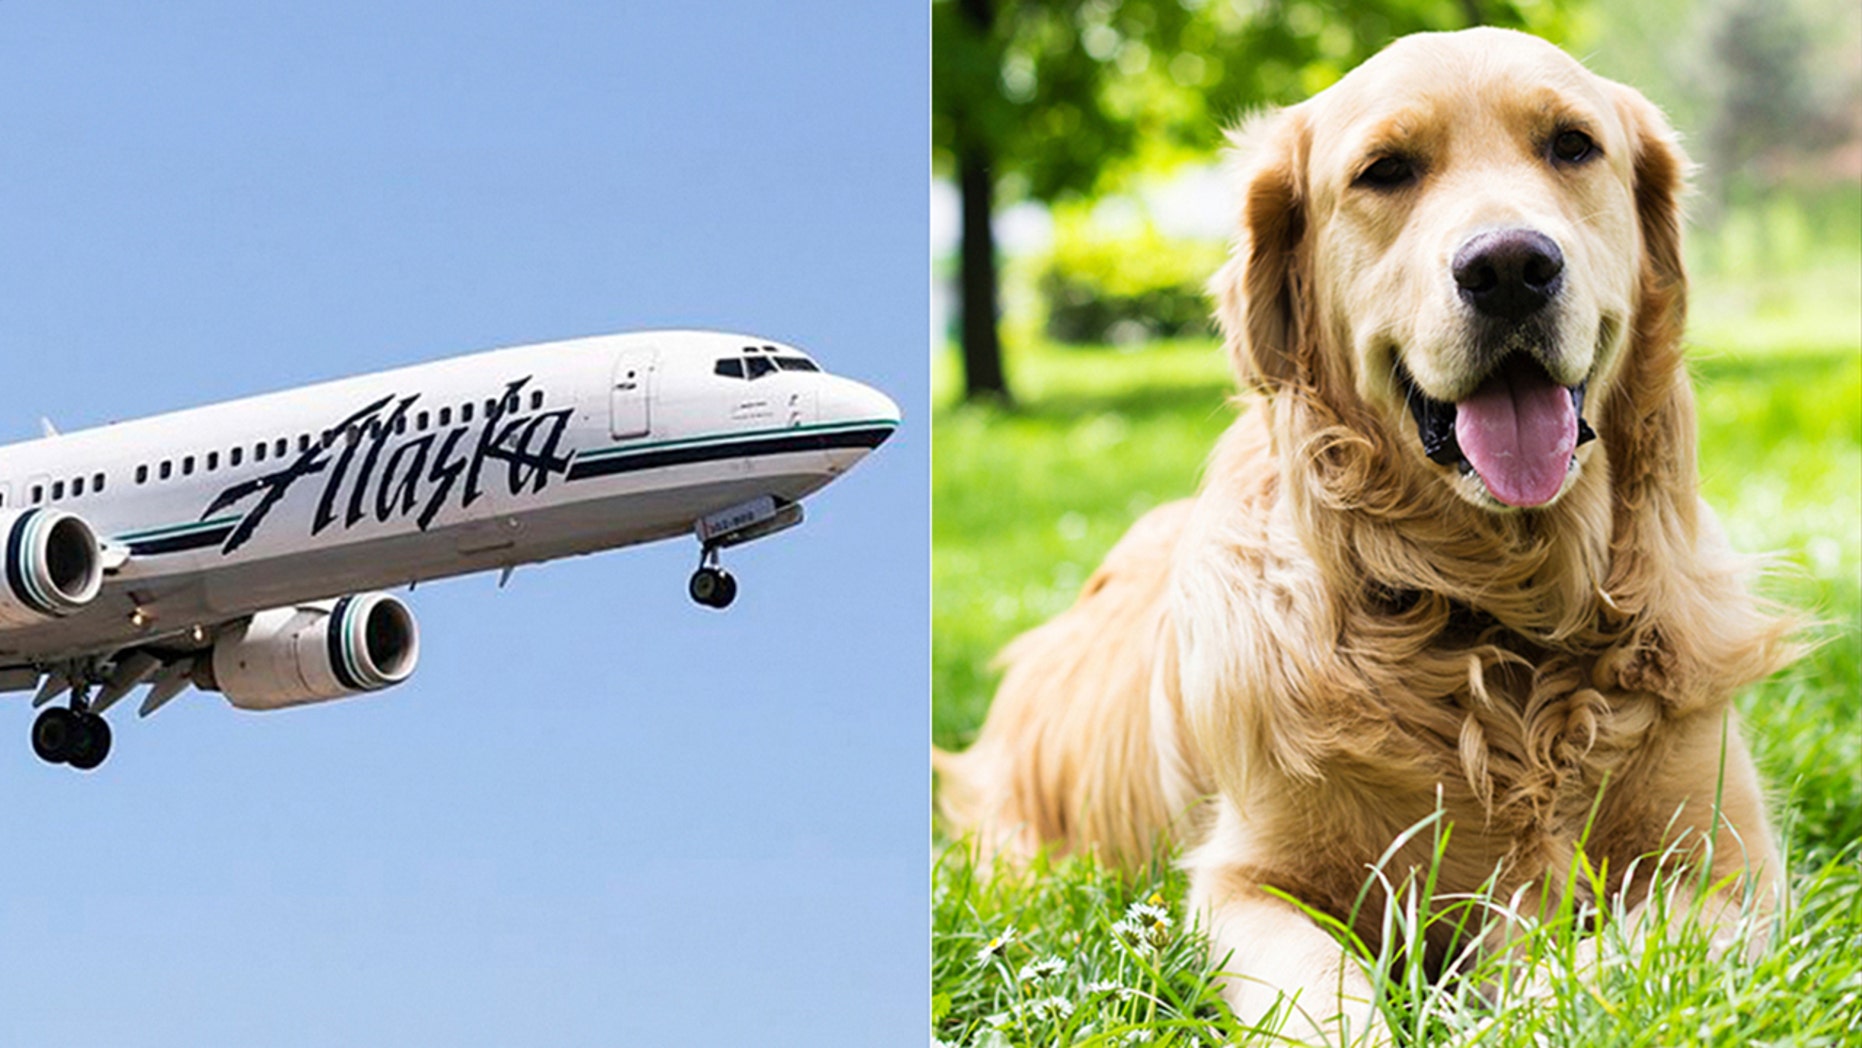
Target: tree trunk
(982,347)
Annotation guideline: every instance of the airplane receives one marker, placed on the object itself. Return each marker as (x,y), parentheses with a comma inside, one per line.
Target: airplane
(244,547)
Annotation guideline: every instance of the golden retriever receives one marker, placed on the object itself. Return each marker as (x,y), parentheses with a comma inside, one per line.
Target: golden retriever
(1452,556)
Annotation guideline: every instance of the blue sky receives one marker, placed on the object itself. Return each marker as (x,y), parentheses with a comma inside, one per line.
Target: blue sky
(598,814)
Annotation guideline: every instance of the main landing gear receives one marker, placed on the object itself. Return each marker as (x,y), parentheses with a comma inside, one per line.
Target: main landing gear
(711,585)
(73,736)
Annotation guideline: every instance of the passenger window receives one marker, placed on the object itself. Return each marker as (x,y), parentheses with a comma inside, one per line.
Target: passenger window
(420,421)
(446,416)
(38,494)
(303,443)
(730,367)
(168,469)
(465,412)
(97,484)
(142,474)
(187,465)
(400,423)
(536,399)
(491,406)
(757,367)
(235,457)
(58,490)
(213,461)
(77,487)
(259,450)
(283,447)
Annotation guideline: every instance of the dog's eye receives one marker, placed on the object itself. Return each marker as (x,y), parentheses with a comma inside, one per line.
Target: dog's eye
(1573,147)
(1387,173)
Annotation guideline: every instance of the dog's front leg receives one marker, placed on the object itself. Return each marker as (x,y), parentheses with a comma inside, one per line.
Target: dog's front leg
(1707,858)
(1283,973)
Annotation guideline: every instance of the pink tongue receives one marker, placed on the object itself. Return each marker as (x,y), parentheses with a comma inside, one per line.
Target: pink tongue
(1518,431)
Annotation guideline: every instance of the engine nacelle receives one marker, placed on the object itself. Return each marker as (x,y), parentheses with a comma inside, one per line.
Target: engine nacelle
(54,565)
(313,653)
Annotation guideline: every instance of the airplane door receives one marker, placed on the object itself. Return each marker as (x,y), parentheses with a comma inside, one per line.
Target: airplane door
(633,392)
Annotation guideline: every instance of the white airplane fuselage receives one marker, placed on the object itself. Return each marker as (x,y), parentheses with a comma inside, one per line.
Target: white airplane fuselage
(481,462)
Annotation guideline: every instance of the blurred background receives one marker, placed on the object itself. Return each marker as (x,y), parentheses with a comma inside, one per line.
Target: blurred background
(1077,211)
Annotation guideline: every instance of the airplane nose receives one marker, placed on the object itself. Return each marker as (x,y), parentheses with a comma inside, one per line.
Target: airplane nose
(855,419)
(844,401)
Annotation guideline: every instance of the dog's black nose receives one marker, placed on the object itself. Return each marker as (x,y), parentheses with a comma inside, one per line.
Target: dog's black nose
(1509,274)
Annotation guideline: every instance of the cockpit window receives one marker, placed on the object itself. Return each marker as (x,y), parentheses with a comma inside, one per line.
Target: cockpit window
(751,366)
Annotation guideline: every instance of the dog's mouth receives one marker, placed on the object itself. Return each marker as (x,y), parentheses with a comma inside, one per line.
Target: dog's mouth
(1519,431)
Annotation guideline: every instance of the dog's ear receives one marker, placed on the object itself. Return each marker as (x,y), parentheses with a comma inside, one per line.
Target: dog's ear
(1660,171)
(1649,422)
(1257,291)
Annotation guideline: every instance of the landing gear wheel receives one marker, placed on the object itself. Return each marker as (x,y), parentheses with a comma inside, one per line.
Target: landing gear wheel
(704,585)
(92,743)
(53,734)
(713,587)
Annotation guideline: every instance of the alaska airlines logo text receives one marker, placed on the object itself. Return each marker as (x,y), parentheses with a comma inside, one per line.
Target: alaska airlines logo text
(372,474)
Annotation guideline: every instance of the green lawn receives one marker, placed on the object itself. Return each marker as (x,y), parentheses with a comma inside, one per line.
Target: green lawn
(1027,501)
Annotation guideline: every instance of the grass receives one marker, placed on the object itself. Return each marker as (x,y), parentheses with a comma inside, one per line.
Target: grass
(1028,500)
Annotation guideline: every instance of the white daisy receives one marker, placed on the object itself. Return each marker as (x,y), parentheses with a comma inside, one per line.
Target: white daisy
(996,945)
(1146,925)
(1041,970)
(1049,1009)
(1111,986)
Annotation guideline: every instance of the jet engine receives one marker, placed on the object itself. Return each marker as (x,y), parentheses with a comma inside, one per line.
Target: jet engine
(313,652)
(54,565)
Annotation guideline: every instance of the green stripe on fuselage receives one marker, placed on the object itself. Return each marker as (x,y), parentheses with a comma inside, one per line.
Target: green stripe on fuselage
(734,437)
(171,530)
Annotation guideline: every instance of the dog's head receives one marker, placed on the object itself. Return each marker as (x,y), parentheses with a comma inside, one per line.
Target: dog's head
(1458,240)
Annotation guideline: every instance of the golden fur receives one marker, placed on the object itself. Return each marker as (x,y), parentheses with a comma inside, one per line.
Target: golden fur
(1287,671)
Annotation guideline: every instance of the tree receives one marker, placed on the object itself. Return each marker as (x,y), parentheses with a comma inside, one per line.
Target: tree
(1756,73)
(1021,94)
(1040,99)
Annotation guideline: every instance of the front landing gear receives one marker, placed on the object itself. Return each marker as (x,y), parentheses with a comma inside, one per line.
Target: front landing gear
(711,585)
(74,736)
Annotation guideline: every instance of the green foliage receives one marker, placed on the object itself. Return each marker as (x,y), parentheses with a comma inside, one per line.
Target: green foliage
(1066,953)
(1775,244)
(1028,501)
(1031,84)
(1060,91)
(1763,104)
(1101,286)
